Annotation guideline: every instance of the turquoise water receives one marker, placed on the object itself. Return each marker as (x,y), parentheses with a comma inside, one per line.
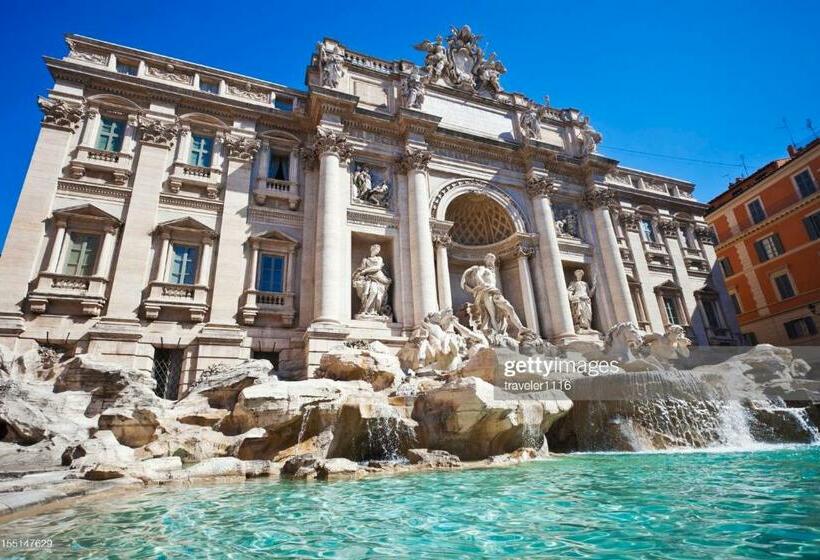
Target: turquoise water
(689,505)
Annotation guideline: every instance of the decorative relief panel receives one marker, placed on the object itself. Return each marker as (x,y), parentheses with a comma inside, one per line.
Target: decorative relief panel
(169,73)
(248,91)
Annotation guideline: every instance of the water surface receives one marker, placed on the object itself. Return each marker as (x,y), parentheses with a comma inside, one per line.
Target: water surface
(762,504)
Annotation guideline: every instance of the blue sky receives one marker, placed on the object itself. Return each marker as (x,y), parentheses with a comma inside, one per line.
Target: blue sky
(707,81)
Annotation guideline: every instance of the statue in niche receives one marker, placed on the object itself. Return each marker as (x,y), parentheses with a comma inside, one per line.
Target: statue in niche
(413,89)
(371,284)
(367,191)
(332,69)
(566,224)
(580,303)
(491,313)
(531,123)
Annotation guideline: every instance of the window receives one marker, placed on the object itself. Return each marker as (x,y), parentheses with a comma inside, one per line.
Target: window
(712,314)
(647,231)
(279,167)
(805,183)
(209,87)
(166,370)
(769,247)
(726,267)
(201,151)
(670,305)
(81,255)
(127,68)
(812,224)
(271,273)
(110,135)
(800,327)
(736,304)
(749,338)
(183,269)
(283,103)
(756,211)
(686,241)
(784,286)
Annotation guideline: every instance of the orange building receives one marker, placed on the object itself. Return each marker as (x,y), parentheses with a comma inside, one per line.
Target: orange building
(767,226)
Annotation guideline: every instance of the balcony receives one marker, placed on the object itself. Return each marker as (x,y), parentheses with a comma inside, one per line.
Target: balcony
(191,300)
(259,303)
(276,189)
(117,163)
(87,292)
(207,178)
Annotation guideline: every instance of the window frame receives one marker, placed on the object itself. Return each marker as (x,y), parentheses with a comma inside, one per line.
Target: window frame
(749,204)
(118,139)
(198,151)
(172,255)
(283,258)
(125,63)
(805,321)
(779,274)
(734,299)
(725,263)
(647,220)
(806,170)
(274,154)
(811,223)
(210,83)
(778,244)
(65,252)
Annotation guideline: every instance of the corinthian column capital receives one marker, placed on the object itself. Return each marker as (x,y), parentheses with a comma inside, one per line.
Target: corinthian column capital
(540,186)
(331,142)
(597,197)
(157,132)
(443,240)
(59,114)
(415,158)
(241,148)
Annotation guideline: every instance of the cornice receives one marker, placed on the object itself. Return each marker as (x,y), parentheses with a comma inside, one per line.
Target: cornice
(659,200)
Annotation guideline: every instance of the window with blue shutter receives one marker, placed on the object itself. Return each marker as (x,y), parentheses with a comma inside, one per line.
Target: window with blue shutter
(648,231)
(756,211)
(201,151)
(81,254)
(271,274)
(805,183)
(812,224)
(109,137)
(183,269)
(784,286)
(279,167)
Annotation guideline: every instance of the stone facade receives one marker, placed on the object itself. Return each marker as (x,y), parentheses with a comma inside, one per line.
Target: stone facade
(180,212)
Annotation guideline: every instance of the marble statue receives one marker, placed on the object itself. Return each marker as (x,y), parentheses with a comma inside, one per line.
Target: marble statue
(590,138)
(436,59)
(413,90)
(331,62)
(367,191)
(580,303)
(491,313)
(566,223)
(623,341)
(488,73)
(371,284)
(440,343)
(663,348)
(531,123)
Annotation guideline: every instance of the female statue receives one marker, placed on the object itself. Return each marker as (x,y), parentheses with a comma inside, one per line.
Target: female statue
(371,283)
(580,302)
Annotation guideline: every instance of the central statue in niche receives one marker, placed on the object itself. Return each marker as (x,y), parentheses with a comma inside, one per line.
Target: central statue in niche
(371,284)
(491,313)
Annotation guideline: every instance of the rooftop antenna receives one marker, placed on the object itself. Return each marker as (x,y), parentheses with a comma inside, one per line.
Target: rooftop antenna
(743,163)
(810,126)
(788,129)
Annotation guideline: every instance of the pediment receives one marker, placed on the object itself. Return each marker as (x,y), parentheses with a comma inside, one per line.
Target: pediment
(86,212)
(187,224)
(275,237)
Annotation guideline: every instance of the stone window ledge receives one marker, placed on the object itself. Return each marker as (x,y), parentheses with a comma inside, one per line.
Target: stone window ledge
(277,189)
(119,164)
(207,178)
(258,303)
(51,287)
(190,298)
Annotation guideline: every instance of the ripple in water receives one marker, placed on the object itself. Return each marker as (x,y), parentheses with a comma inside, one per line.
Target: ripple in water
(690,505)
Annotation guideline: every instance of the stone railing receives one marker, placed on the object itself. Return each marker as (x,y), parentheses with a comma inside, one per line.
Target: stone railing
(281,305)
(188,300)
(119,164)
(207,178)
(87,292)
(276,189)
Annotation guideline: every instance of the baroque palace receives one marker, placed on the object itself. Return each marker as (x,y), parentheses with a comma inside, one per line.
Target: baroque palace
(177,214)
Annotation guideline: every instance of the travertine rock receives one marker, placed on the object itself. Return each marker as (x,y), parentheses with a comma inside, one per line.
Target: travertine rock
(221,385)
(374,364)
(474,420)
(339,468)
(435,458)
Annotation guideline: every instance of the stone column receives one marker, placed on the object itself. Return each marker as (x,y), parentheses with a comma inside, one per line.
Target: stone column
(445,296)
(331,286)
(263,160)
(183,144)
(204,272)
(20,257)
(552,271)
(57,247)
(134,263)
(523,252)
(415,162)
(106,252)
(233,230)
(254,264)
(92,126)
(130,136)
(598,200)
(162,264)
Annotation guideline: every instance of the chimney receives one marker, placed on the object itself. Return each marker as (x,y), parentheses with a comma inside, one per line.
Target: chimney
(792,150)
